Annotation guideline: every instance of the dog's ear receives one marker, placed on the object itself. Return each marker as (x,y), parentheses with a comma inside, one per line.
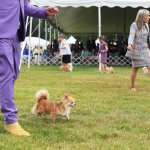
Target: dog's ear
(66,96)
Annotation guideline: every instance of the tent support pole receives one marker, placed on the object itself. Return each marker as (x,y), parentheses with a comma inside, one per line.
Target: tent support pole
(46,33)
(99,21)
(124,26)
(27,22)
(30,32)
(54,33)
(23,43)
(99,33)
(39,35)
(50,30)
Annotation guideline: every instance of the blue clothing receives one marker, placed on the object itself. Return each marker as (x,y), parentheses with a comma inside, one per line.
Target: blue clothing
(26,51)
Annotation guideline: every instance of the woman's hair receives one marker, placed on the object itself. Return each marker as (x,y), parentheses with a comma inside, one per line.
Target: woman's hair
(61,35)
(139,17)
(102,37)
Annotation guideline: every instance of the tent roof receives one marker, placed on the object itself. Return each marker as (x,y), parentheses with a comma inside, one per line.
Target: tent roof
(89,3)
(84,20)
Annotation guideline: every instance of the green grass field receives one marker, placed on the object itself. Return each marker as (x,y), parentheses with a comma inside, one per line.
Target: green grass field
(107,116)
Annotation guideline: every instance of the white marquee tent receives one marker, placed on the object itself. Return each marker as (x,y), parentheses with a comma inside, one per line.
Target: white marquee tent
(76,19)
(35,42)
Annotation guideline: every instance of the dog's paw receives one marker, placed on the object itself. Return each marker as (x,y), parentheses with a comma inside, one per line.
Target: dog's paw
(67,117)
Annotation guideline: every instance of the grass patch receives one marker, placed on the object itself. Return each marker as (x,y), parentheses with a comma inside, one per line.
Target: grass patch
(107,115)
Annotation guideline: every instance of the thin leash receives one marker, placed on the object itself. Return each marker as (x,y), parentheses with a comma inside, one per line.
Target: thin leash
(56,21)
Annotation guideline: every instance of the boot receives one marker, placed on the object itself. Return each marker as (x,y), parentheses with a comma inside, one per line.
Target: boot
(16,129)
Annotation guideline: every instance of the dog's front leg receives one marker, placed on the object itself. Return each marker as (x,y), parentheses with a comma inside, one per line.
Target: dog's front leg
(67,117)
(39,114)
(53,116)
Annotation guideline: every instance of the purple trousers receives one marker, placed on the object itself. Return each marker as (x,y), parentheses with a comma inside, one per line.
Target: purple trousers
(9,70)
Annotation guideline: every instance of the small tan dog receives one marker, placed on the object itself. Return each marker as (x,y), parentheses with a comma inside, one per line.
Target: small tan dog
(44,106)
(110,70)
(145,70)
(66,67)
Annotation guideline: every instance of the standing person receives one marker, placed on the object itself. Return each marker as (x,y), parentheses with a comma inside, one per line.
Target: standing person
(48,53)
(103,48)
(65,53)
(91,46)
(12,32)
(76,50)
(55,47)
(138,49)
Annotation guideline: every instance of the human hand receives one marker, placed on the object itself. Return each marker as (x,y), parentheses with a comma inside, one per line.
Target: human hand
(102,51)
(129,48)
(51,11)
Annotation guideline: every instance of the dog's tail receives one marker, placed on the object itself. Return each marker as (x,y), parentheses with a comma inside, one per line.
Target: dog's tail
(42,95)
(33,110)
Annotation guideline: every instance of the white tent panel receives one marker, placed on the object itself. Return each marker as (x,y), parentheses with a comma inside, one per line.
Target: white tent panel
(89,3)
(71,40)
(66,3)
(126,3)
(97,41)
(35,42)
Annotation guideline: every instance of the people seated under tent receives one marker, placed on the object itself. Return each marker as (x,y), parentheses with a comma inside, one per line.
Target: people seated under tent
(37,52)
(25,52)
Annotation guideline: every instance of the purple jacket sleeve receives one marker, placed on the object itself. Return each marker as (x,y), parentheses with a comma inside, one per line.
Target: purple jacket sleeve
(34,11)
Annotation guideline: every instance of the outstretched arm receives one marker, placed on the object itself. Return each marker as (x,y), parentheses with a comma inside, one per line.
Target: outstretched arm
(133,29)
(39,12)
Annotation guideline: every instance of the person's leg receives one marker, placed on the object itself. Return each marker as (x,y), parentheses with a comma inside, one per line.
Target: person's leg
(9,70)
(133,78)
(7,77)
(105,66)
(102,68)
(70,67)
(62,60)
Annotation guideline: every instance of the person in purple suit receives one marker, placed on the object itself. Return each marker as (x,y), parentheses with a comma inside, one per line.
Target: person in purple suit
(12,32)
